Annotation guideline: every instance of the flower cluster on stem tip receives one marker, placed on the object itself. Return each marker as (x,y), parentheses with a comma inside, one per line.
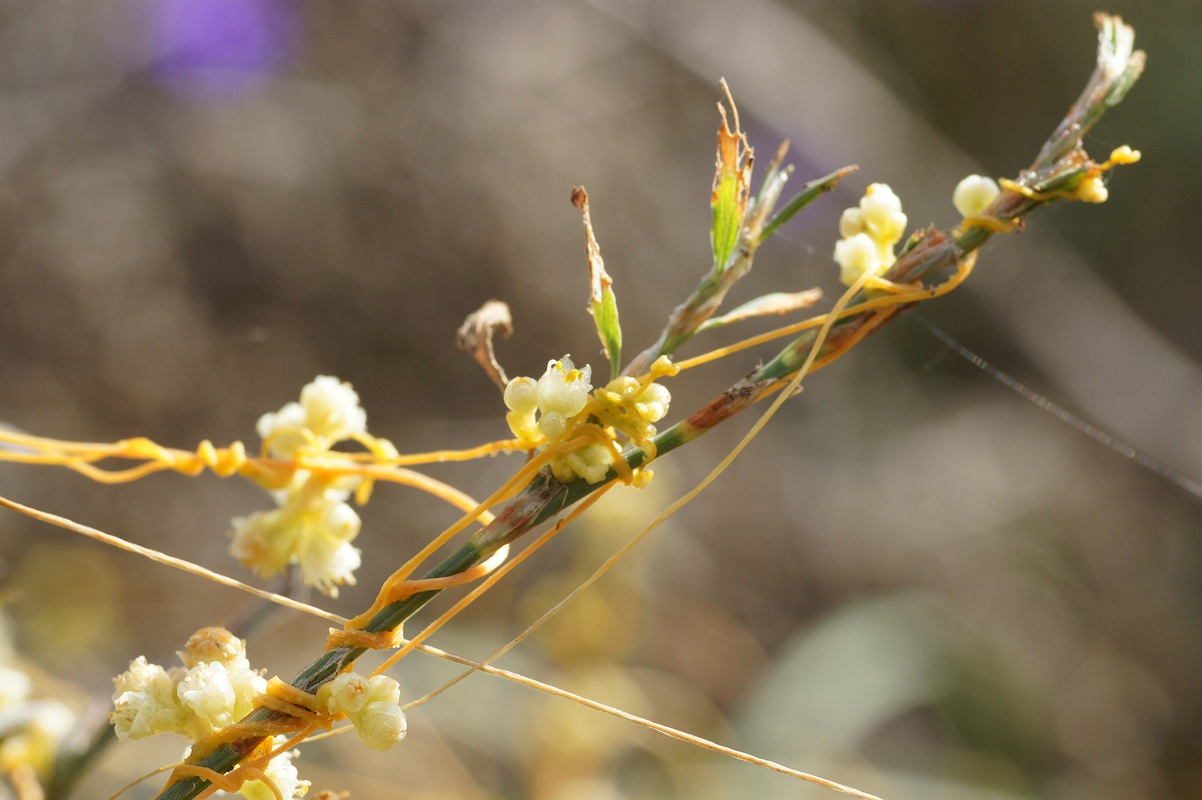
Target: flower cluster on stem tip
(549,410)
(869,231)
(314,524)
(214,687)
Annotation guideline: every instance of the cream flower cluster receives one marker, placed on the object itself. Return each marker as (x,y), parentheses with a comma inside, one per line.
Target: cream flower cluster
(313,527)
(371,704)
(632,407)
(314,524)
(214,687)
(328,413)
(541,412)
(32,729)
(869,232)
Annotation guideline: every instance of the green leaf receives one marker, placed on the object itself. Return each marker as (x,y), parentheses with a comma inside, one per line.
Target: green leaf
(726,223)
(732,182)
(603,304)
(774,304)
(803,198)
(605,315)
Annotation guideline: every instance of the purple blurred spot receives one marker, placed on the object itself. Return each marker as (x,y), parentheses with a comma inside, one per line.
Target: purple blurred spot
(221,46)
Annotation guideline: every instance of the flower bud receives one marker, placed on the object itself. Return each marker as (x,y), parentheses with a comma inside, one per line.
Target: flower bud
(974,194)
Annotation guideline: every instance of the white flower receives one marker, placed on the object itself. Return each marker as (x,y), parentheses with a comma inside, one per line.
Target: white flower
(326,562)
(345,694)
(882,216)
(264,541)
(560,394)
(312,528)
(563,388)
(137,715)
(283,431)
(338,520)
(144,702)
(247,684)
(974,193)
(145,678)
(332,409)
(371,704)
(626,405)
(563,392)
(857,255)
(148,699)
(207,692)
(328,411)
(313,525)
(381,723)
(869,233)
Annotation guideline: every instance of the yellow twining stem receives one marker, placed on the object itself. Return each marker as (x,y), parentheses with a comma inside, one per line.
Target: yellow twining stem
(369,640)
(224,782)
(252,769)
(285,698)
(1089,189)
(506,491)
(490,581)
(905,296)
(220,780)
(441,456)
(898,295)
(400,590)
(399,586)
(992,224)
(225,462)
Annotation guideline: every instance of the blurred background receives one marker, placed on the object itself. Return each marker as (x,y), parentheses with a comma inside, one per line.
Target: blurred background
(916,583)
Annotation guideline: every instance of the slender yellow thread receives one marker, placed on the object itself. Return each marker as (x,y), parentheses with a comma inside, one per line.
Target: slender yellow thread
(488,582)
